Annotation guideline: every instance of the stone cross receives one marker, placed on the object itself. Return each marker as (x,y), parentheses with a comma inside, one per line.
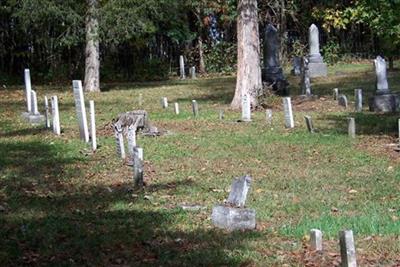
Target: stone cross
(34,105)
(176,108)
(28,88)
(335,93)
(80,110)
(46,112)
(358,100)
(246,108)
(382,86)
(182,67)
(55,115)
(287,107)
(195,108)
(93,125)
(352,127)
(342,101)
(164,102)
(119,138)
(347,249)
(193,72)
(239,189)
(138,167)
(309,124)
(316,240)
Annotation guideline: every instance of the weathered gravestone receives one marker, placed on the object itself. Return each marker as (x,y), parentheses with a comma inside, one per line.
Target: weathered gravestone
(138,167)
(55,114)
(28,88)
(246,108)
(93,125)
(119,140)
(383,100)
(32,114)
(164,102)
(272,73)
(287,109)
(182,67)
(192,72)
(234,215)
(347,249)
(342,101)
(316,240)
(335,93)
(80,110)
(352,127)
(309,123)
(268,116)
(316,65)
(47,112)
(358,100)
(296,64)
(221,114)
(305,78)
(195,108)
(176,108)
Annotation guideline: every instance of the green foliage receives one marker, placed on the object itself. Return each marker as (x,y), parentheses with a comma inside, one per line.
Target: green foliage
(221,57)
(331,52)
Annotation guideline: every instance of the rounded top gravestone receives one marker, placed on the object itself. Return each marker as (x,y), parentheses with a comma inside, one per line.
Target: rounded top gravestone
(382,86)
(313,40)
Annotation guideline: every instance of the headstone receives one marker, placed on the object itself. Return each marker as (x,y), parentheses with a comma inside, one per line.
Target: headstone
(47,112)
(309,123)
(93,125)
(233,215)
(140,100)
(342,101)
(352,127)
(164,102)
(399,131)
(34,105)
(268,116)
(55,115)
(316,65)
(139,119)
(176,108)
(193,72)
(246,108)
(119,138)
(28,88)
(296,63)
(221,114)
(335,93)
(347,249)
(131,136)
(305,78)
(80,110)
(195,108)
(138,167)
(383,100)
(272,72)
(182,67)
(358,100)
(287,108)
(316,240)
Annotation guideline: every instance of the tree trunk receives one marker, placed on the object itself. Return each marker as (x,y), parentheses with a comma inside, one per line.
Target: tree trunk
(248,79)
(92,53)
(202,65)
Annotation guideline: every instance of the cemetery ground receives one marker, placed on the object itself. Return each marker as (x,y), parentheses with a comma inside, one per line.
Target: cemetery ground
(61,204)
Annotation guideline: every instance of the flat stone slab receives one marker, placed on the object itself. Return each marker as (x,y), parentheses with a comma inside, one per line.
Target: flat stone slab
(384,103)
(32,118)
(317,70)
(231,218)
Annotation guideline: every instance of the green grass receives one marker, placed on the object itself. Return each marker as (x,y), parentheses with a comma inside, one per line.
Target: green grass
(65,206)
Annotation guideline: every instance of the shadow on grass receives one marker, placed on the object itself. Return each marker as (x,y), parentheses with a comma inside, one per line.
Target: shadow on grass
(24,132)
(50,221)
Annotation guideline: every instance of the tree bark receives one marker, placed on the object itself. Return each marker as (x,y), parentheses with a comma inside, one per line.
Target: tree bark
(248,79)
(92,52)
(202,65)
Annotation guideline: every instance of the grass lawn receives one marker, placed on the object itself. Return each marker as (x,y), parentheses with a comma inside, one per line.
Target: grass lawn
(62,205)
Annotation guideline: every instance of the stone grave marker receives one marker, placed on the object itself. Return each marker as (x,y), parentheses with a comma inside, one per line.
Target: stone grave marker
(342,101)
(309,123)
(164,102)
(358,100)
(47,112)
(296,64)
(352,128)
(193,72)
(131,136)
(287,108)
(55,115)
(246,108)
(335,93)
(176,108)
(305,79)
(93,125)
(80,110)
(138,167)
(316,240)
(268,116)
(233,215)
(182,67)
(195,108)
(28,88)
(221,114)
(34,105)
(316,65)
(347,249)
(119,138)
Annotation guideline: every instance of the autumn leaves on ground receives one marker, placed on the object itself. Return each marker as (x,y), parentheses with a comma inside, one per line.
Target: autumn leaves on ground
(62,205)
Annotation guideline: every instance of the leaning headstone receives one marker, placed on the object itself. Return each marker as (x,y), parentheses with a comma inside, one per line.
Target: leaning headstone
(28,88)
(246,108)
(296,64)
(287,108)
(352,127)
(164,102)
(358,100)
(47,112)
(55,114)
(193,72)
(176,108)
(195,108)
(316,240)
(221,114)
(182,67)
(335,93)
(342,101)
(138,167)
(309,123)
(93,125)
(119,139)
(233,215)
(316,66)
(383,100)
(80,110)
(268,116)
(347,249)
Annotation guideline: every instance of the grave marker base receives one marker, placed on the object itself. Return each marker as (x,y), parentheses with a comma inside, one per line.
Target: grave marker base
(231,218)
(33,118)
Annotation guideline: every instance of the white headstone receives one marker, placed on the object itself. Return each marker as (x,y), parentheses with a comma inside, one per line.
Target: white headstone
(131,136)
(34,105)
(80,110)
(358,100)
(182,67)
(221,114)
(347,249)
(138,167)
(352,128)
(335,93)
(193,72)
(28,88)
(268,116)
(55,115)
(195,108)
(287,108)
(47,113)
(93,125)
(313,40)
(382,85)
(246,108)
(176,108)
(316,240)
(164,102)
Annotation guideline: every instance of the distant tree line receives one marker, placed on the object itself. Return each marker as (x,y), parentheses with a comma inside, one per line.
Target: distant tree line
(142,40)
